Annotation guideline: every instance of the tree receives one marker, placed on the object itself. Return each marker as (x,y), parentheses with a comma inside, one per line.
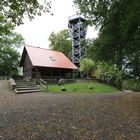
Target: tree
(15,10)
(86,65)
(9,59)
(9,43)
(61,42)
(119,30)
(132,65)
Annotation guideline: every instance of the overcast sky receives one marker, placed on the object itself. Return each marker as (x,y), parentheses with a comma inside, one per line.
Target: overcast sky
(37,32)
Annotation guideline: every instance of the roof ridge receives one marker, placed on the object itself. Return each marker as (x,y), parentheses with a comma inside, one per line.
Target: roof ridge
(42,48)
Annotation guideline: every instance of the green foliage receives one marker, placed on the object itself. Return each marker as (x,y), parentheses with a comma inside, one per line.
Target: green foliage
(109,74)
(8,61)
(119,31)
(61,42)
(90,87)
(107,12)
(15,10)
(86,65)
(131,84)
(9,43)
(133,65)
(63,89)
(87,44)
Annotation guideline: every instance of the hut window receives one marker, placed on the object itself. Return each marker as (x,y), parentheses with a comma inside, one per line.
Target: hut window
(52,58)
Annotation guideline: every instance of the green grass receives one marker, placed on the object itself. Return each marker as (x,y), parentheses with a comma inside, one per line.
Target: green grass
(82,88)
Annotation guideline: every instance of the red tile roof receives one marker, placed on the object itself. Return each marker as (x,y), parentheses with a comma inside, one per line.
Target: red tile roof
(48,58)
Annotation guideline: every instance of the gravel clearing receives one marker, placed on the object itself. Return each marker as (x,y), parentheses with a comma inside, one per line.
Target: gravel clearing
(42,116)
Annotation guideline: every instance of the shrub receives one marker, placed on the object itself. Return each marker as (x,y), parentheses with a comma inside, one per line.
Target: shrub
(109,74)
(90,87)
(131,84)
(86,66)
(63,89)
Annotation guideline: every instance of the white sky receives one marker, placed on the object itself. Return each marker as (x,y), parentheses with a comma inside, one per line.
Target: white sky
(37,32)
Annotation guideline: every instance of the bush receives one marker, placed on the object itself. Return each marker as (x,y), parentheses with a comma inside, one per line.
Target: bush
(86,66)
(109,74)
(131,84)
(63,89)
(90,87)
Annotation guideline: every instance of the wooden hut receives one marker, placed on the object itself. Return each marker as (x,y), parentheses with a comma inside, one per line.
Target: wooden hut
(40,62)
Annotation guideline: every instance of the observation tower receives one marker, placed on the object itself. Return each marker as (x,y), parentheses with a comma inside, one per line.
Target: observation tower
(78,29)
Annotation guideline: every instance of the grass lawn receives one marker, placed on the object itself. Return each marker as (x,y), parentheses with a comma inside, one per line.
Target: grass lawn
(82,88)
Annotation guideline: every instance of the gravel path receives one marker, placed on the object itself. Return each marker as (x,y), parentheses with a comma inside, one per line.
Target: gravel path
(41,116)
